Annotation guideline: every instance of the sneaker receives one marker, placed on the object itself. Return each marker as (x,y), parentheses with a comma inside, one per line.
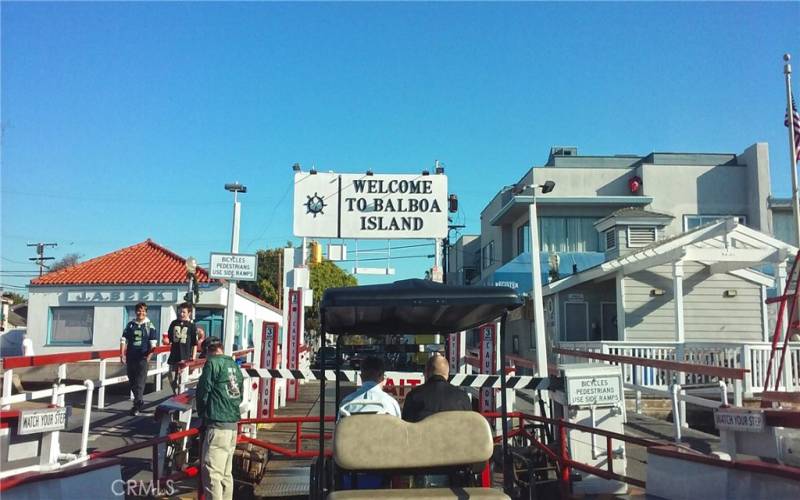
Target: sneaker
(134,411)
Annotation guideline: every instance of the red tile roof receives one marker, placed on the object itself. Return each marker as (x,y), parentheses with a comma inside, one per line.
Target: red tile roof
(146,263)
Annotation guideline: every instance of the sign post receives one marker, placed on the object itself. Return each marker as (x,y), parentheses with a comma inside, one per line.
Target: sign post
(46,420)
(488,336)
(233,267)
(456,351)
(295,332)
(269,359)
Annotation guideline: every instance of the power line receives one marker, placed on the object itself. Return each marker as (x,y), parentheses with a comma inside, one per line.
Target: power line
(430,256)
(272,217)
(13,261)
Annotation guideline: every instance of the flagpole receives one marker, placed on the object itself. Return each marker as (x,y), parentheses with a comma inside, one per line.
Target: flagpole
(787,71)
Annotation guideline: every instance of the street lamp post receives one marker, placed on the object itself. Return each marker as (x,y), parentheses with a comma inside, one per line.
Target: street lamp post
(230,314)
(536,289)
(192,294)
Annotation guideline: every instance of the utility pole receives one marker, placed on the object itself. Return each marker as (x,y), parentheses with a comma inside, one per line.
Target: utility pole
(40,247)
(446,248)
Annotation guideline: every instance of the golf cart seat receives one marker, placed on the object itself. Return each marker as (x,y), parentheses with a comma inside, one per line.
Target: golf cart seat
(384,444)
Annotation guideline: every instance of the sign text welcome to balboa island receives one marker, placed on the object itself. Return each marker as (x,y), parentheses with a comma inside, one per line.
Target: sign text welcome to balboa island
(375,206)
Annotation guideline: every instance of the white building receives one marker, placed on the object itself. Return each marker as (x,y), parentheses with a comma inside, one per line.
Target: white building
(86,307)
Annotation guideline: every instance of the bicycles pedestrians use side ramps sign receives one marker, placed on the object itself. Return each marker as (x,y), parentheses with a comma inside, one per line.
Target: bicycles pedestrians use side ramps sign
(233,266)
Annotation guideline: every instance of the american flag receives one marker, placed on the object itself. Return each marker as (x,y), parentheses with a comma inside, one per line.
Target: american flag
(796,126)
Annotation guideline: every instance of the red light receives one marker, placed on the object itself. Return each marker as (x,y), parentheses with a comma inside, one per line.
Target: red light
(255,385)
(635,184)
(191,471)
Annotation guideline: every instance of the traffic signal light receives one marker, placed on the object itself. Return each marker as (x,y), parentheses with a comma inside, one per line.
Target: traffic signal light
(316,252)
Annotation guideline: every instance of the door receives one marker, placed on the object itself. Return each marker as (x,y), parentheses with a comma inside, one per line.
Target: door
(576,321)
(608,311)
(211,320)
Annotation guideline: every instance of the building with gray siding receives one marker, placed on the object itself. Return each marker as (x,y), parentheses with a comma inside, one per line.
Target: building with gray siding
(606,207)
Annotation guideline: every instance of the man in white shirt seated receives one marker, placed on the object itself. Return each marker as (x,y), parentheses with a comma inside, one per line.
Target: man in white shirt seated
(370,398)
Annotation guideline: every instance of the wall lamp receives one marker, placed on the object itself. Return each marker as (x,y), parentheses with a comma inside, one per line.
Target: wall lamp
(370,172)
(296,167)
(425,172)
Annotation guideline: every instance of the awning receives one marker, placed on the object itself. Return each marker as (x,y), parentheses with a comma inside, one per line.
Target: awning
(413,307)
(516,274)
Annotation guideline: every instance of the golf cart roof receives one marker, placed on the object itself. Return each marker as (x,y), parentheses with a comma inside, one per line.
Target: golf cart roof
(413,306)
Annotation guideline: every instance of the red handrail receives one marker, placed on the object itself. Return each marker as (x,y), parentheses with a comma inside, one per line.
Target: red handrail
(194,363)
(10,362)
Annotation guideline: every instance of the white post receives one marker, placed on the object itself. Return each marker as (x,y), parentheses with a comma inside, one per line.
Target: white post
(230,314)
(680,334)
(787,71)
(8,384)
(723,396)
(747,364)
(62,375)
(101,390)
(182,374)
(540,341)
(764,315)
(87,417)
(780,282)
(159,375)
(674,390)
(620,289)
(50,446)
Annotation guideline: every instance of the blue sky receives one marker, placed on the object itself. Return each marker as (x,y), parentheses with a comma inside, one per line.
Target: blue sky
(122,121)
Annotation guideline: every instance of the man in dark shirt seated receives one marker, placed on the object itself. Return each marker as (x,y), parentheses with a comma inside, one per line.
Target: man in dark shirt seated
(436,394)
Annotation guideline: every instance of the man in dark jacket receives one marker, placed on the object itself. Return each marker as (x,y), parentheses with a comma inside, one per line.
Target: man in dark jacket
(136,347)
(436,394)
(219,395)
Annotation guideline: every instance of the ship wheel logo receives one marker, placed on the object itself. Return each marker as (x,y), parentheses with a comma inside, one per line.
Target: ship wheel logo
(315,204)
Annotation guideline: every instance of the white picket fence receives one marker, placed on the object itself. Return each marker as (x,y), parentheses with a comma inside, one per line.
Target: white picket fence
(753,356)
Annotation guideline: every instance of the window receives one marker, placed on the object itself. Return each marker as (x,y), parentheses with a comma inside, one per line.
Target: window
(154,313)
(783,227)
(487,256)
(250,343)
(568,234)
(693,221)
(237,338)
(523,239)
(611,238)
(641,236)
(71,326)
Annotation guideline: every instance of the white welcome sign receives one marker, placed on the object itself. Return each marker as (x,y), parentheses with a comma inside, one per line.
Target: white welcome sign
(370,206)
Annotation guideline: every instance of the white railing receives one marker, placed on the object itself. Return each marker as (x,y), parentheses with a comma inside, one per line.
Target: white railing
(103,381)
(753,356)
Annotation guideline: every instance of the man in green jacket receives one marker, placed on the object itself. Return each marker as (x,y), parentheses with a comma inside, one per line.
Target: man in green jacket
(219,394)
